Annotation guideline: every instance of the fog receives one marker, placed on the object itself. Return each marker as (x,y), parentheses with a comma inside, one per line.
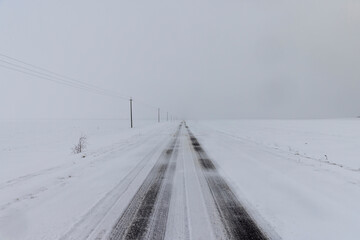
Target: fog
(196,59)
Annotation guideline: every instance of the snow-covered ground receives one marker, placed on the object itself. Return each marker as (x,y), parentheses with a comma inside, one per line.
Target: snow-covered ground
(45,189)
(299,178)
(31,145)
(280,171)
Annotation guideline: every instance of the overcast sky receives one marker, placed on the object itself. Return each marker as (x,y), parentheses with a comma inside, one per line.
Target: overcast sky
(198,59)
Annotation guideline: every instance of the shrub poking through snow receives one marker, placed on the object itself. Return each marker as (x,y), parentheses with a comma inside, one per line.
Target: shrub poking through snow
(81,145)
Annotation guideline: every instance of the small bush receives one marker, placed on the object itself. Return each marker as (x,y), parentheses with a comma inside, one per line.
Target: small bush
(81,145)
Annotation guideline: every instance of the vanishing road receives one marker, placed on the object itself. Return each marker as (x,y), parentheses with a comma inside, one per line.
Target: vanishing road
(179,195)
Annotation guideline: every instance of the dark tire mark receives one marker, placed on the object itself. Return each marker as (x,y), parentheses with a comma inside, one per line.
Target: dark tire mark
(237,222)
(206,164)
(85,227)
(160,215)
(146,214)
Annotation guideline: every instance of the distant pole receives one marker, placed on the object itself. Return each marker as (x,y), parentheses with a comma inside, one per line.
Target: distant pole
(131,114)
(167,116)
(158,114)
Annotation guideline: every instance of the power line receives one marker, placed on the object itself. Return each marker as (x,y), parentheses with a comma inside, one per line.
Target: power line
(55,77)
(56,74)
(45,74)
(59,82)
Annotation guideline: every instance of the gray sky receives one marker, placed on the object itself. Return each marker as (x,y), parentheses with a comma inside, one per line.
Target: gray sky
(198,59)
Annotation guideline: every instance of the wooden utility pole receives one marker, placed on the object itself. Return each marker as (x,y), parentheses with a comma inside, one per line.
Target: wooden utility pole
(131,114)
(167,116)
(158,114)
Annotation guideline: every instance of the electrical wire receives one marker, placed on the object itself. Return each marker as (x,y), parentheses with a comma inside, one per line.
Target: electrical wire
(59,82)
(45,74)
(58,77)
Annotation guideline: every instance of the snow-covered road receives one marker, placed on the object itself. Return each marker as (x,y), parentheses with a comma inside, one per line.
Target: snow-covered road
(204,180)
(200,202)
(151,186)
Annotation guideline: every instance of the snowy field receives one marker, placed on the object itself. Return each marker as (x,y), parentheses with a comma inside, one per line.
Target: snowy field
(299,179)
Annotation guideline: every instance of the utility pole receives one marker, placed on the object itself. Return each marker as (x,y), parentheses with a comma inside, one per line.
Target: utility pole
(167,116)
(131,115)
(158,114)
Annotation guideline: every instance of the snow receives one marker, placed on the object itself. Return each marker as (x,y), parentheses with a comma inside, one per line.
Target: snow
(300,179)
(279,171)
(31,145)
(188,214)
(45,189)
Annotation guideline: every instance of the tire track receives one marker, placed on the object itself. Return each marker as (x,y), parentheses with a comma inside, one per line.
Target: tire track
(89,222)
(146,215)
(159,218)
(235,219)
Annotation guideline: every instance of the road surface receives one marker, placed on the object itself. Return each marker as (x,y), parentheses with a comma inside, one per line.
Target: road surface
(180,195)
